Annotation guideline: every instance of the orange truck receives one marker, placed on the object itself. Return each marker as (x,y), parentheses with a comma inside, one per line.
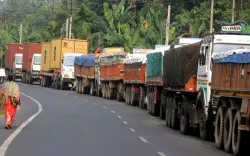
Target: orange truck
(85,74)
(111,68)
(134,76)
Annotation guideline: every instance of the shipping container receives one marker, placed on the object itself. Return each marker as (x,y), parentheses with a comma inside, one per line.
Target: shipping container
(29,50)
(62,46)
(11,50)
(45,59)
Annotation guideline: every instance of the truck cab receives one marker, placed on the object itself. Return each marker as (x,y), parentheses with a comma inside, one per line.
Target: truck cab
(67,70)
(36,64)
(17,65)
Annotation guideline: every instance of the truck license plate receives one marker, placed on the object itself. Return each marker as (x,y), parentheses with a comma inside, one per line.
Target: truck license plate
(70,85)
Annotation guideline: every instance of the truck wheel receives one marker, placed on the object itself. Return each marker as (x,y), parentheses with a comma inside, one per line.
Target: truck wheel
(62,86)
(112,93)
(129,95)
(170,111)
(228,128)
(167,111)
(109,91)
(184,119)
(92,91)
(118,96)
(219,128)
(77,87)
(240,140)
(106,92)
(174,114)
(184,122)
(162,103)
(133,101)
(149,103)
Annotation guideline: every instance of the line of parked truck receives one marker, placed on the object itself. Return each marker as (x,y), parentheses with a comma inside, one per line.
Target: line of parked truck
(199,86)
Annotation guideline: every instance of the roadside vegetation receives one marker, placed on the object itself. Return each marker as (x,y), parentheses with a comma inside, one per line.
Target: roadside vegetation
(111,22)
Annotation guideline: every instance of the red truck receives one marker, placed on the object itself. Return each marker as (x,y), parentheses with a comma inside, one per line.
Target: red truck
(13,60)
(134,77)
(110,66)
(31,63)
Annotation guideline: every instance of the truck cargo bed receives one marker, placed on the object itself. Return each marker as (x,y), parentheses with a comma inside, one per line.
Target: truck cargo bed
(12,49)
(134,73)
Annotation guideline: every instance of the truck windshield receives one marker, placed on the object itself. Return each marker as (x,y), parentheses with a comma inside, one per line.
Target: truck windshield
(222,48)
(37,60)
(19,59)
(69,60)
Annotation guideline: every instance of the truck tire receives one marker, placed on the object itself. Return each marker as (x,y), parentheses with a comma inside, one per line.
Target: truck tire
(167,111)
(106,92)
(184,118)
(149,103)
(92,89)
(133,101)
(174,114)
(162,109)
(112,93)
(170,111)
(109,91)
(219,128)
(62,85)
(228,128)
(77,87)
(240,139)
(129,95)
(118,96)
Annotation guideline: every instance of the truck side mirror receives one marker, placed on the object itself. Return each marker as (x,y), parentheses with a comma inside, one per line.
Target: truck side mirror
(62,61)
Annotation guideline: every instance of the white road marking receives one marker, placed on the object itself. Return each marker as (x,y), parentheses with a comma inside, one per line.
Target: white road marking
(161,154)
(75,97)
(132,129)
(119,117)
(86,101)
(125,122)
(7,142)
(94,104)
(66,94)
(113,111)
(104,107)
(144,140)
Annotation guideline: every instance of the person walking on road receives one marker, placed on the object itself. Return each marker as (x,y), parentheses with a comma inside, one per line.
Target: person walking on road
(10,100)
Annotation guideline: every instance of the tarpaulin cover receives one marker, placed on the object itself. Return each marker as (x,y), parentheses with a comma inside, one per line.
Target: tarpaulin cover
(135,58)
(235,58)
(111,58)
(85,60)
(155,62)
(180,64)
(232,56)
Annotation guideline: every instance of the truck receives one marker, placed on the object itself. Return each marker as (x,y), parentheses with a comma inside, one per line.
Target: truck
(85,74)
(207,93)
(134,76)
(111,68)
(152,96)
(13,60)
(154,80)
(31,63)
(57,67)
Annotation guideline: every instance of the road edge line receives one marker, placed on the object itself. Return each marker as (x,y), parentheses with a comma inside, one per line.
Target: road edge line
(7,142)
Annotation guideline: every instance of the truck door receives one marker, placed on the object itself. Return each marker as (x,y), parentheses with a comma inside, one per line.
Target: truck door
(204,74)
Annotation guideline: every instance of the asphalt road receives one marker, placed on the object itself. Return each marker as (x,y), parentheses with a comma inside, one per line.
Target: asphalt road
(81,125)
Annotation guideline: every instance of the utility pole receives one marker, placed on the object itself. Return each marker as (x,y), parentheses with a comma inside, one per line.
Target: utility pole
(168,25)
(233,10)
(67,28)
(20,31)
(212,16)
(70,21)
(237,10)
